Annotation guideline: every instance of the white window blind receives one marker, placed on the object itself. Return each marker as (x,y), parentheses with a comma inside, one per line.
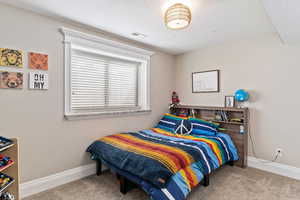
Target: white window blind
(104,77)
(102,83)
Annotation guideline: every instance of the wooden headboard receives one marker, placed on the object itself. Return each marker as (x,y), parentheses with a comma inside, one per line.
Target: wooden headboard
(232,128)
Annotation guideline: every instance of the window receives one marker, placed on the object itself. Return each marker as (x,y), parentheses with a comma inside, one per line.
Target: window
(104,77)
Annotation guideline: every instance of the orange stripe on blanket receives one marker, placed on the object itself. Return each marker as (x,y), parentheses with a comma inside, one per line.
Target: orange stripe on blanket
(173,158)
(211,143)
(187,182)
(191,177)
(214,147)
(176,154)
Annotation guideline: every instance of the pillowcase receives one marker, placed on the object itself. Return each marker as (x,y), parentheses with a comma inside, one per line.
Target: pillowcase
(202,127)
(184,127)
(174,124)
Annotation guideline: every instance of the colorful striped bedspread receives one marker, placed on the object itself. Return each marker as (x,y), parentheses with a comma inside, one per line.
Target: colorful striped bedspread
(166,165)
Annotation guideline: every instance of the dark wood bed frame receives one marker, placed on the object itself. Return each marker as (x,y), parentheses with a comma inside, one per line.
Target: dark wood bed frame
(207,113)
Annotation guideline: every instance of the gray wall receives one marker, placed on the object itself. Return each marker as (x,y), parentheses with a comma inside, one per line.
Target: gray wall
(50,144)
(266,68)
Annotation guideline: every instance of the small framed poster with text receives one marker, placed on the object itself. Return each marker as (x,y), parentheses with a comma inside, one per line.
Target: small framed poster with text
(206,81)
(38,81)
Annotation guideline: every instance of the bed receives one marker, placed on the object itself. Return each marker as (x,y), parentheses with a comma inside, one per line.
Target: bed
(168,161)
(178,162)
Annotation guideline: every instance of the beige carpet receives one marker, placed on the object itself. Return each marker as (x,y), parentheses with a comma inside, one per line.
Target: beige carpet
(228,183)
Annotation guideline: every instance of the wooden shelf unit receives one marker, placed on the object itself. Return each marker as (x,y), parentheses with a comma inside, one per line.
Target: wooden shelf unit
(13,169)
(232,128)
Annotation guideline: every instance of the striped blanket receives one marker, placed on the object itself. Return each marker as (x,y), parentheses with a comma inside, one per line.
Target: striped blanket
(167,165)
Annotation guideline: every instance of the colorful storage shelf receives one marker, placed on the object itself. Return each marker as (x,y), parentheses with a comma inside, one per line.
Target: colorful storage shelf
(12,169)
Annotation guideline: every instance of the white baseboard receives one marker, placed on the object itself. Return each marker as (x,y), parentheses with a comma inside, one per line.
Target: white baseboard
(55,180)
(274,167)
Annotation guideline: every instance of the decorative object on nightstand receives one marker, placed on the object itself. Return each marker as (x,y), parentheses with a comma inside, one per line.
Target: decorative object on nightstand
(229,101)
(241,96)
(175,100)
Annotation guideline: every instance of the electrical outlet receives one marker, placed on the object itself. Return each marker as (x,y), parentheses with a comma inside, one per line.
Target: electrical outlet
(279,152)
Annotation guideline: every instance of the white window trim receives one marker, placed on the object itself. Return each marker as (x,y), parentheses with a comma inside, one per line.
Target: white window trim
(76,39)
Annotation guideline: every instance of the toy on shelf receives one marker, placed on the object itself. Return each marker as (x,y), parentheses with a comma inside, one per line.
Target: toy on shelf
(7,196)
(5,161)
(241,96)
(175,100)
(237,120)
(5,181)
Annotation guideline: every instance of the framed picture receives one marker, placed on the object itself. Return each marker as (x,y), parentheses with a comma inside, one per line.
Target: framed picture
(38,61)
(38,81)
(11,57)
(11,80)
(206,81)
(229,101)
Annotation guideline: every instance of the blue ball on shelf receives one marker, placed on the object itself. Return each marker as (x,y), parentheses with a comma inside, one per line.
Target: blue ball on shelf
(241,95)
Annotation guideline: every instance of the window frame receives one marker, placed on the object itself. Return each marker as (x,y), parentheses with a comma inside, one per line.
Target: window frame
(86,42)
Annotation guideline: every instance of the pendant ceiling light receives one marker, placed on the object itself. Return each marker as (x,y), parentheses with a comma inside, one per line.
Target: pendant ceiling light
(178,16)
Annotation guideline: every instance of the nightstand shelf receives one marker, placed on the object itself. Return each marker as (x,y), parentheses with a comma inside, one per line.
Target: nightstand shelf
(238,131)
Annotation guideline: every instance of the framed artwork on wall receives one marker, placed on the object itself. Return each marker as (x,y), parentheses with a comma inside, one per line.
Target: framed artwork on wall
(38,81)
(11,57)
(11,80)
(38,61)
(206,81)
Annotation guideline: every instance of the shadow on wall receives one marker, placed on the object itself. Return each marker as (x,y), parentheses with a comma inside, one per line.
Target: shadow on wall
(254,96)
(255,125)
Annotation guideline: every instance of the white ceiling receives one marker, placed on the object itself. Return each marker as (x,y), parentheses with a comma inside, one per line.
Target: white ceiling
(213,22)
(285,16)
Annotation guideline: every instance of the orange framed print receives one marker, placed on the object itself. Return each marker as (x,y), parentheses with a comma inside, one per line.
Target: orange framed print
(11,57)
(38,61)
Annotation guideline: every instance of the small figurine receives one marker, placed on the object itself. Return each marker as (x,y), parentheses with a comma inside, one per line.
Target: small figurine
(242,129)
(7,196)
(175,100)
(193,114)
